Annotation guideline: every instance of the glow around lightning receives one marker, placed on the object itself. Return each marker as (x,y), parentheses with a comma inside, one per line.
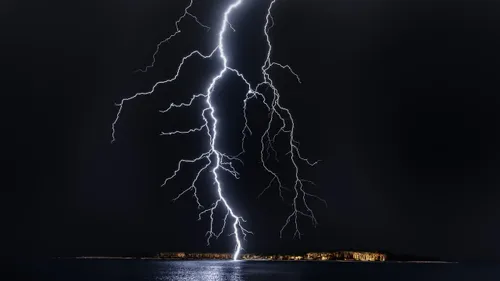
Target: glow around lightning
(215,161)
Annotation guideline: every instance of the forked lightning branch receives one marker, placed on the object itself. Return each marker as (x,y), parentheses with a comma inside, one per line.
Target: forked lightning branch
(214,160)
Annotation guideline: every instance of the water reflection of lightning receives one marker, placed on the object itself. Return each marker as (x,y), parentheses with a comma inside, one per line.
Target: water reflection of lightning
(215,160)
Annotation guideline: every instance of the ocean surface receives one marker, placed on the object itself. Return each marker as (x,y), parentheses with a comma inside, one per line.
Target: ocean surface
(151,270)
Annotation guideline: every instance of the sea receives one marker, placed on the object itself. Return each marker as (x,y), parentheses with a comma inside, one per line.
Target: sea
(156,270)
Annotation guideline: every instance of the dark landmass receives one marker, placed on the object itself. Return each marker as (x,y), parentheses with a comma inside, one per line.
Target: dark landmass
(353,256)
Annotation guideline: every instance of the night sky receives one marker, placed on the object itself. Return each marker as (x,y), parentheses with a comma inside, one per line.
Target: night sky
(400,101)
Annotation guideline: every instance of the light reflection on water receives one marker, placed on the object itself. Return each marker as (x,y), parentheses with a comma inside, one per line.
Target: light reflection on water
(316,271)
(148,270)
(202,271)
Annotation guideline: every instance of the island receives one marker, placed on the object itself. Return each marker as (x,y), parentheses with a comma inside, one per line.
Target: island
(340,256)
(315,256)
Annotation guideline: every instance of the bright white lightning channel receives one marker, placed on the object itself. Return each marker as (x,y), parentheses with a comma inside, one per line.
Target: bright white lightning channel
(214,158)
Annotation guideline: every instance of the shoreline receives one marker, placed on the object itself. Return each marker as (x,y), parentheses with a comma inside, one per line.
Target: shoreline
(250,260)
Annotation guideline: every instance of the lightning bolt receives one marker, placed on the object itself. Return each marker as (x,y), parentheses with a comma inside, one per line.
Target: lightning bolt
(217,161)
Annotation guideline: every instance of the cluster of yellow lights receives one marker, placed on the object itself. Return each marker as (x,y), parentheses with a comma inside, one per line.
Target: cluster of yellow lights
(339,255)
